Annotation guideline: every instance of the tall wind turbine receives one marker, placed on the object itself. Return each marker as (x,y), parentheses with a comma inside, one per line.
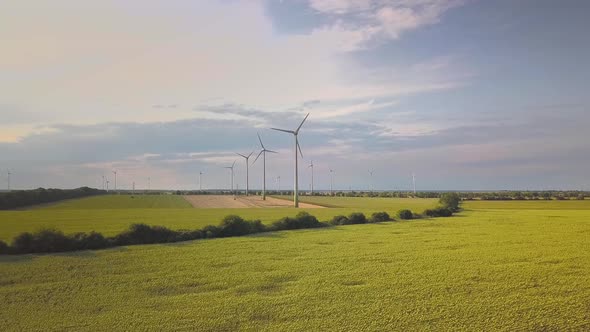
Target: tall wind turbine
(331,181)
(247,175)
(149,183)
(200,181)
(263,153)
(297,147)
(232,175)
(108,185)
(414,182)
(311,166)
(279,182)
(8,180)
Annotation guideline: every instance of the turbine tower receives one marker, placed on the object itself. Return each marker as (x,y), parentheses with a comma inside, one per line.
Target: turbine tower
(247,175)
(331,181)
(297,147)
(103,182)
(263,153)
(372,183)
(149,183)
(232,175)
(8,180)
(414,182)
(200,181)
(115,172)
(311,166)
(107,185)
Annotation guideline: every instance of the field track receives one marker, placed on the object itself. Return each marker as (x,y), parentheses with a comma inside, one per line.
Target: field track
(228,201)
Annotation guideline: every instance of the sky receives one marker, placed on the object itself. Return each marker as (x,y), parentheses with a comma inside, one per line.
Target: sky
(466,94)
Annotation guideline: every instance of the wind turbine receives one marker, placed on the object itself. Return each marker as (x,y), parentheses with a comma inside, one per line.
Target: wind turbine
(371,173)
(115,172)
(297,147)
(311,166)
(232,175)
(247,175)
(263,153)
(107,185)
(8,180)
(200,181)
(414,182)
(331,181)
(149,183)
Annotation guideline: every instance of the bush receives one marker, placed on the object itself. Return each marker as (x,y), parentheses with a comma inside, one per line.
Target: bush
(380,217)
(301,220)
(211,231)
(233,225)
(3,248)
(339,220)
(45,240)
(92,240)
(145,234)
(357,218)
(438,212)
(450,201)
(405,214)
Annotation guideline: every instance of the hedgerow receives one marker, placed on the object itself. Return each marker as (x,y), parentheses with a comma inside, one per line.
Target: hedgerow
(52,240)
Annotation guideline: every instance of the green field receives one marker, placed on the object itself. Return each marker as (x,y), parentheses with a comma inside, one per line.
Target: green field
(492,267)
(123,202)
(114,213)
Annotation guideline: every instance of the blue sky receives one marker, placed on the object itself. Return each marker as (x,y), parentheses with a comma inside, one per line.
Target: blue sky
(466,94)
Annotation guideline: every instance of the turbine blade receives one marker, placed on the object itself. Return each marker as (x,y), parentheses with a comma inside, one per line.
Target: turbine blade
(271,151)
(299,147)
(297,131)
(257,156)
(285,130)
(239,154)
(260,140)
(250,154)
(232,165)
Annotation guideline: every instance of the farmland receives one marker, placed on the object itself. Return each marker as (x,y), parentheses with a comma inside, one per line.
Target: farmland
(493,266)
(113,213)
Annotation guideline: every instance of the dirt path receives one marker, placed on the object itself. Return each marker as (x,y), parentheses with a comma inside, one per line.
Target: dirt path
(228,201)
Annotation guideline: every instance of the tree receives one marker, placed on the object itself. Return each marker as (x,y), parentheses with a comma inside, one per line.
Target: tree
(450,201)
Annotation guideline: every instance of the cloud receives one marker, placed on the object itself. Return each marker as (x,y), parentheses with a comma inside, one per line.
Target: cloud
(378,20)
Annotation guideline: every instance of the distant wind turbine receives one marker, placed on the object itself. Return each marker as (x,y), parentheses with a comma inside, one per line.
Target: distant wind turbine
(331,181)
(414,182)
(247,175)
(8,180)
(263,153)
(297,147)
(115,172)
(311,166)
(372,183)
(200,181)
(278,180)
(232,175)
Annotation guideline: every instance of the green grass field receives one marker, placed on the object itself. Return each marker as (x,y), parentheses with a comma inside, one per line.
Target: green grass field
(114,213)
(123,202)
(492,267)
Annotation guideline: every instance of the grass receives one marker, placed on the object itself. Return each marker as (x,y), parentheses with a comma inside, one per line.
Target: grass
(112,214)
(488,269)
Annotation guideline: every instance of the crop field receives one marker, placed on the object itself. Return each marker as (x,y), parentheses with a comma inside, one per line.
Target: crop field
(113,213)
(492,267)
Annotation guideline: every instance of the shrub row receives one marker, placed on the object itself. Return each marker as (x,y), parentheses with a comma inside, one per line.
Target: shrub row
(51,240)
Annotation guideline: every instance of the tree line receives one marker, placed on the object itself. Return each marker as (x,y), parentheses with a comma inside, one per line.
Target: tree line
(21,198)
